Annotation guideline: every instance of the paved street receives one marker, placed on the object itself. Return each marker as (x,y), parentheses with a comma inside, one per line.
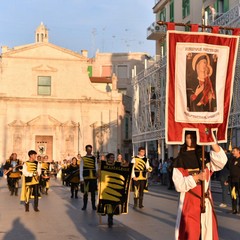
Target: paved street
(61,218)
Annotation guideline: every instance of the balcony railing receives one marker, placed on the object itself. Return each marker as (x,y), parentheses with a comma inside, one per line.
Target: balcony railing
(228,18)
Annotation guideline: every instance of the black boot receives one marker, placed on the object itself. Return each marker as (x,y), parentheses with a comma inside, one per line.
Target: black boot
(46,191)
(36,209)
(26,207)
(141,203)
(12,191)
(93,203)
(16,191)
(36,201)
(85,200)
(110,220)
(72,192)
(76,193)
(135,203)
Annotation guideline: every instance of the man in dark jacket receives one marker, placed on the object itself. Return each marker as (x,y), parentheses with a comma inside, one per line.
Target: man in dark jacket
(223,177)
(234,168)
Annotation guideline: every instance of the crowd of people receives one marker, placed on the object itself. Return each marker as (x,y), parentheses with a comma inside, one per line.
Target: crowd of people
(81,173)
(229,178)
(162,172)
(77,173)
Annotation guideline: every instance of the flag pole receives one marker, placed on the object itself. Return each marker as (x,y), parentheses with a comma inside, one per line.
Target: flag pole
(203,207)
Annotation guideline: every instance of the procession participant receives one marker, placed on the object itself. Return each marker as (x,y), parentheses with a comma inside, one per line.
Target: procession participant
(114,179)
(234,167)
(141,167)
(54,168)
(39,158)
(64,167)
(44,184)
(68,165)
(1,169)
(12,169)
(88,176)
(79,159)
(191,222)
(224,178)
(73,177)
(110,161)
(30,180)
(120,158)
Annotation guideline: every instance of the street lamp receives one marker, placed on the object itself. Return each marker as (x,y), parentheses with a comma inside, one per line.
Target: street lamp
(78,137)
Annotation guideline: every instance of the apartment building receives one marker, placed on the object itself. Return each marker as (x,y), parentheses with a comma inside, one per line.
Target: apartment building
(148,112)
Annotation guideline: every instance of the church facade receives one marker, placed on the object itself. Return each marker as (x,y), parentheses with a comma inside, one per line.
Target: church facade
(48,103)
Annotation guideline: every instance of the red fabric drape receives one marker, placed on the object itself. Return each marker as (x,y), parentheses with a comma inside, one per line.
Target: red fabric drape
(174,130)
(194,27)
(170,26)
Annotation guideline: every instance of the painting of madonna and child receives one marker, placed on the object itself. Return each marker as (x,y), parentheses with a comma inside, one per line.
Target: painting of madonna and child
(201,82)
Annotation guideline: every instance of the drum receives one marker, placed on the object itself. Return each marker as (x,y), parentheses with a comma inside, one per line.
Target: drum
(15,175)
(31,181)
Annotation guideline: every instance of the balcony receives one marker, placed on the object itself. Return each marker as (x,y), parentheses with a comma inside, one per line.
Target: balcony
(230,18)
(158,5)
(155,31)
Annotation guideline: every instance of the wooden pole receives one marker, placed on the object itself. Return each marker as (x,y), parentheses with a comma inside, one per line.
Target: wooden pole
(203,209)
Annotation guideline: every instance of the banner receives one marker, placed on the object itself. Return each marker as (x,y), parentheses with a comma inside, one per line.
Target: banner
(114,188)
(200,75)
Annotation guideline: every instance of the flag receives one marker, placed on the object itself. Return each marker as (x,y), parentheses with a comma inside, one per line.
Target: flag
(114,186)
(200,75)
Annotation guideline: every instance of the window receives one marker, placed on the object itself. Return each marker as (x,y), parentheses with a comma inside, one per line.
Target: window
(187,28)
(44,85)
(185,8)
(172,11)
(163,48)
(226,5)
(89,69)
(162,15)
(106,71)
(122,71)
(221,6)
(126,128)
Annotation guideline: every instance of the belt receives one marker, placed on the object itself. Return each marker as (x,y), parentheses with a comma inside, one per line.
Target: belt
(206,194)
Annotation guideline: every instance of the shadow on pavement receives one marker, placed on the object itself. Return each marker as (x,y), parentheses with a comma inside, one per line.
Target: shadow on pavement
(163,220)
(17,228)
(228,234)
(87,223)
(173,216)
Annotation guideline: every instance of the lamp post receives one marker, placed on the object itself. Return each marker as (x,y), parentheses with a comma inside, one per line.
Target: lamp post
(78,137)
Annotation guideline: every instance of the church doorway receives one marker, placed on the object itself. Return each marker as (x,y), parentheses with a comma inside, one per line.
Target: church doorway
(44,146)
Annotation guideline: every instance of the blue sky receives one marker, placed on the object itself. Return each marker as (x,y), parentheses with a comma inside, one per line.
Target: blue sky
(107,25)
